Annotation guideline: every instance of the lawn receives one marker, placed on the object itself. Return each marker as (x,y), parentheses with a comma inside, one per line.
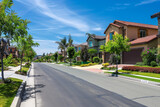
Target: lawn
(141,73)
(23,71)
(138,77)
(8,92)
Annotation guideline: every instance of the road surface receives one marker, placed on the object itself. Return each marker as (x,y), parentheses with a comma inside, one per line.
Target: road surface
(55,87)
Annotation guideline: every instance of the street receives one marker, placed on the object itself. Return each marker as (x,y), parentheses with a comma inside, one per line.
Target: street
(56,88)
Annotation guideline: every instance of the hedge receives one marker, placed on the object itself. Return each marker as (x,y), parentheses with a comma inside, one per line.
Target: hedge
(142,69)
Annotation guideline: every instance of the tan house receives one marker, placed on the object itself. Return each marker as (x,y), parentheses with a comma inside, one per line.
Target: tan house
(141,36)
(158,17)
(14,51)
(78,47)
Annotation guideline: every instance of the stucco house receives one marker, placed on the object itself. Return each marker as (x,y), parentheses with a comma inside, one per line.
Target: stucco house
(78,47)
(14,51)
(94,42)
(158,17)
(141,36)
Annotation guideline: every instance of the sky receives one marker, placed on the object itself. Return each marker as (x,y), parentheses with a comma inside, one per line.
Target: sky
(52,20)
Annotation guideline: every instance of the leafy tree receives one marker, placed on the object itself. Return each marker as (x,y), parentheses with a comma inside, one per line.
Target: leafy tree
(71,52)
(84,54)
(60,58)
(92,53)
(7,61)
(117,46)
(56,56)
(76,55)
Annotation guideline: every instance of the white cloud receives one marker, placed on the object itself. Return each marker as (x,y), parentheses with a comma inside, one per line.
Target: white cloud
(59,37)
(146,2)
(46,46)
(97,29)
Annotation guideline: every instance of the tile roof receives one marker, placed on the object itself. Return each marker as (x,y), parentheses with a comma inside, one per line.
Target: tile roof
(83,43)
(99,37)
(155,15)
(143,40)
(137,24)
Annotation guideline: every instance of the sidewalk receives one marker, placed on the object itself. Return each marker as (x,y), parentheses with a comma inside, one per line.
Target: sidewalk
(11,73)
(29,98)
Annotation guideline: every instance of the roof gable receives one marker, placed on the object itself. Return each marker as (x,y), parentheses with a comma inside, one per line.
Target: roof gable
(112,25)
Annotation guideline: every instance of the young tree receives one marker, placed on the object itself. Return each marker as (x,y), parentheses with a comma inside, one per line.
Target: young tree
(92,53)
(70,41)
(71,52)
(117,46)
(84,54)
(60,58)
(56,56)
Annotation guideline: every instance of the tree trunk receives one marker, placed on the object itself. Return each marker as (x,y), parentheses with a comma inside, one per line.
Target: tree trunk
(64,56)
(2,67)
(21,61)
(117,67)
(70,62)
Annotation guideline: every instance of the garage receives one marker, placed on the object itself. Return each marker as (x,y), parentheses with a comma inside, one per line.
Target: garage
(133,56)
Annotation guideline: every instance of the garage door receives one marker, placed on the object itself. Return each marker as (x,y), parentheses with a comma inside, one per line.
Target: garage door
(133,56)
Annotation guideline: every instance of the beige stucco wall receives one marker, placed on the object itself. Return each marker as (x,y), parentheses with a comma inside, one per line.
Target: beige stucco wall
(139,46)
(111,29)
(153,44)
(133,32)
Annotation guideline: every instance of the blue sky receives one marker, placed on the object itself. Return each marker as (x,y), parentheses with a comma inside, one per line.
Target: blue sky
(51,20)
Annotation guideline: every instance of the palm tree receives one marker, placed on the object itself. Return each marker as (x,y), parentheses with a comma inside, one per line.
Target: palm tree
(63,46)
(70,41)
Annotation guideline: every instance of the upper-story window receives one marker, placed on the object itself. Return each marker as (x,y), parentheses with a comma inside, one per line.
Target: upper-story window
(142,33)
(90,44)
(111,35)
(10,50)
(79,48)
(76,49)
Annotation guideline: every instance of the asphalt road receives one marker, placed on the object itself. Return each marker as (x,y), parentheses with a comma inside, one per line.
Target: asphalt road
(57,88)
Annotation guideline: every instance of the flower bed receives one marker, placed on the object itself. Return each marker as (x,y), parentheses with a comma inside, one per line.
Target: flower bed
(90,64)
(142,69)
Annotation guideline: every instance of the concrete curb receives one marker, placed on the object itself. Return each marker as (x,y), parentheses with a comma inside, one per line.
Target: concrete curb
(18,98)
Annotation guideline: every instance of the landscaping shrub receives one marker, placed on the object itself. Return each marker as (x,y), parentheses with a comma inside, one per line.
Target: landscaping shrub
(158,58)
(105,64)
(27,65)
(60,58)
(96,59)
(153,64)
(85,65)
(108,68)
(142,69)
(148,56)
(140,64)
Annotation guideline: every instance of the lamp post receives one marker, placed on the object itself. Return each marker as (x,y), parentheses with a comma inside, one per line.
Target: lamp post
(3,44)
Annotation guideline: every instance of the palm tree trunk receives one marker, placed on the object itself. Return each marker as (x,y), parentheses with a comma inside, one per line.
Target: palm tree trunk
(64,55)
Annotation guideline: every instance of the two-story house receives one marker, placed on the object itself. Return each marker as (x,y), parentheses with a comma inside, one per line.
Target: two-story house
(94,42)
(14,51)
(141,36)
(158,17)
(78,48)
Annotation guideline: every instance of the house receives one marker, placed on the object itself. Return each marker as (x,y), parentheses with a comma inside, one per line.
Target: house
(158,17)
(14,51)
(94,42)
(141,36)
(4,48)
(78,48)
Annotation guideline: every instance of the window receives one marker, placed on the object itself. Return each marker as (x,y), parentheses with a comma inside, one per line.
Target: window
(142,33)
(79,48)
(90,44)
(111,35)
(10,50)
(76,49)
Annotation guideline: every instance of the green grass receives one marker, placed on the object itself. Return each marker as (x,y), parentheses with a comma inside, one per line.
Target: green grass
(141,73)
(23,71)
(147,66)
(8,92)
(138,77)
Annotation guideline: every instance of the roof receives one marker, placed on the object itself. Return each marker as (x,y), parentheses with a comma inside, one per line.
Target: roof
(96,37)
(143,40)
(156,15)
(110,25)
(137,24)
(83,43)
